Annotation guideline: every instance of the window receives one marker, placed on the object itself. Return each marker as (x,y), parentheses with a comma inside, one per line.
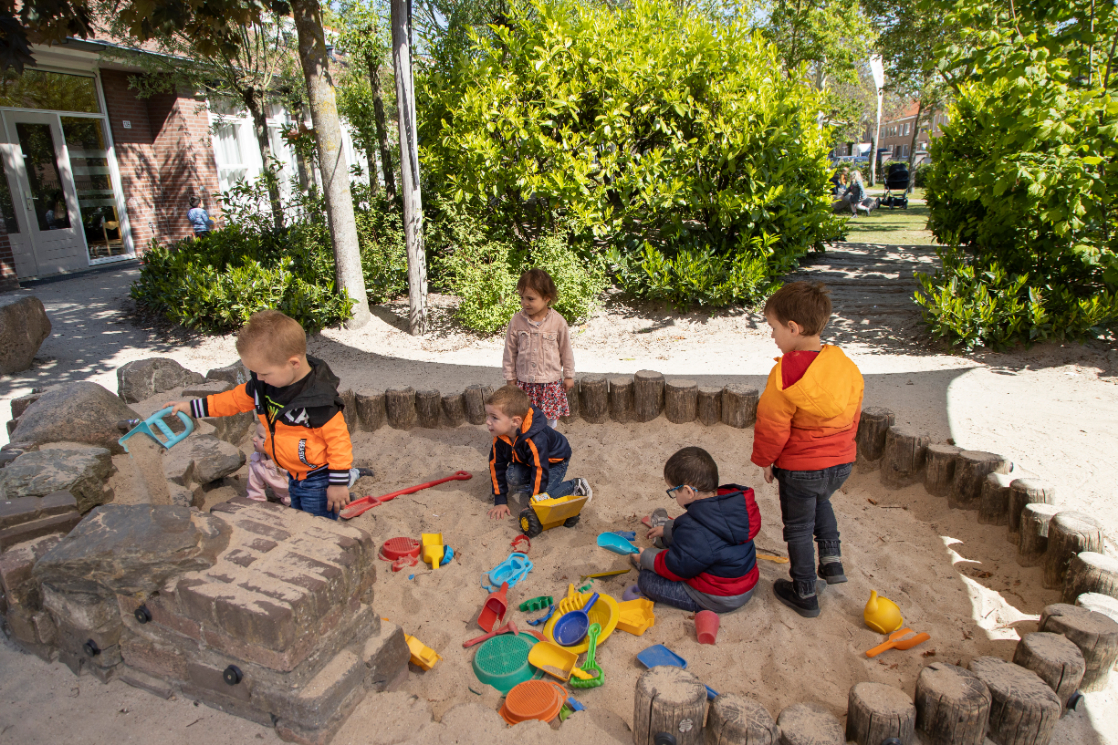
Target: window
(89,163)
(904,151)
(230,156)
(39,89)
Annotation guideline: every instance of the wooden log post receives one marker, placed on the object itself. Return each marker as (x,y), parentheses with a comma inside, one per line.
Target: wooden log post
(1069,533)
(399,404)
(1091,572)
(428,408)
(370,410)
(572,403)
(1103,604)
(1024,492)
(672,700)
(648,395)
(809,724)
(1025,710)
(903,461)
(870,439)
(952,705)
(737,720)
(621,399)
(454,410)
(1032,541)
(739,405)
(593,398)
(939,469)
(1056,660)
(681,400)
(475,396)
(709,405)
(971,467)
(876,711)
(993,502)
(349,413)
(1095,634)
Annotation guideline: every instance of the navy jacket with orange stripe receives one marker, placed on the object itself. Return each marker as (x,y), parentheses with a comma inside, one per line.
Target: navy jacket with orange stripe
(536,446)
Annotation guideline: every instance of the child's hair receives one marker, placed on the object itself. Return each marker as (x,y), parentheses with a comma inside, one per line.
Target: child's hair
(541,282)
(273,336)
(692,466)
(195,201)
(511,401)
(806,303)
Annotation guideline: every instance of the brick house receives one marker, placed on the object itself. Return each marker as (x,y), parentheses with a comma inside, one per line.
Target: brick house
(93,174)
(896,134)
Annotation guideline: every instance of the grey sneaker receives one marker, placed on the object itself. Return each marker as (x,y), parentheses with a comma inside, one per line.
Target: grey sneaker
(582,489)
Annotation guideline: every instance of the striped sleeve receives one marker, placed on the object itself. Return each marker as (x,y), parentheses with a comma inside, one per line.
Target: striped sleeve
(235,401)
(339,450)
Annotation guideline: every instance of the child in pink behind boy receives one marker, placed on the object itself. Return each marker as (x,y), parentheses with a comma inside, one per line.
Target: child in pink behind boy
(263,472)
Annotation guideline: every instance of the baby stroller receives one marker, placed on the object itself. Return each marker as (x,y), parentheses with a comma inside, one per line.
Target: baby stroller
(896,181)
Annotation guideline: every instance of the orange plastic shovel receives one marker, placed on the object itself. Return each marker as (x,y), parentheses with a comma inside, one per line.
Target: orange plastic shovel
(897,642)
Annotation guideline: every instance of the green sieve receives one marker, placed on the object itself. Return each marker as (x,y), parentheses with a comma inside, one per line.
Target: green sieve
(502,662)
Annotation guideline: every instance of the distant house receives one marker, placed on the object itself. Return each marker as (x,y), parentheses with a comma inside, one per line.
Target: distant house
(92,173)
(896,134)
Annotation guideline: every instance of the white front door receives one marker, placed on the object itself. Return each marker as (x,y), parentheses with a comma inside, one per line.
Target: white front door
(44,195)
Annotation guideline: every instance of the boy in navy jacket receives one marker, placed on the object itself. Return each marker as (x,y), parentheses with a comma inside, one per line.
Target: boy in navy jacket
(710,562)
(527,455)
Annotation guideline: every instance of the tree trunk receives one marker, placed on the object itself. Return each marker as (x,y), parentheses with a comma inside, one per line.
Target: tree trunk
(1103,604)
(349,410)
(939,465)
(1091,572)
(621,399)
(648,395)
(971,467)
(681,400)
(475,396)
(809,724)
(1055,660)
(331,158)
(1033,538)
(255,105)
(672,700)
(952,705)
(1069,533)
(912,145)
(428,408)
(1025,711)
(710,405)
(1096,636)
(1024,492)
(870,438)
(876,711)
(370,410)
(386,168)
(409,168)
(737,720)
(399,404)
(454,409)
(993,502)
(903,461)
(572,403)
(594,398)
(739,405)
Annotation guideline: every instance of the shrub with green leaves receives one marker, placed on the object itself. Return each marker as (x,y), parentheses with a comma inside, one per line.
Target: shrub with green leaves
(652,128)
(1025,178)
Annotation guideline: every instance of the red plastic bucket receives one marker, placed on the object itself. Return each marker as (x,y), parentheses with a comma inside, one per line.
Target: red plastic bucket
(706,626)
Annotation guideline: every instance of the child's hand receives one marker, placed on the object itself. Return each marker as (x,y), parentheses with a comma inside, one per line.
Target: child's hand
(337,497)
(768,474)
(568,383)
(177,406)
(500,511)
(656,533)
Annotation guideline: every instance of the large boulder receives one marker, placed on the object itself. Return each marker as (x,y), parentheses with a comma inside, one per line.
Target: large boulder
(23,328)
(140,380)
(130,549)
(201,459)
(80,470)
(74,412)
(233,374)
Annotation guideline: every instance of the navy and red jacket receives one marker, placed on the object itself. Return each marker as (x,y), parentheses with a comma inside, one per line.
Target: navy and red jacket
(711,546)
(536,446)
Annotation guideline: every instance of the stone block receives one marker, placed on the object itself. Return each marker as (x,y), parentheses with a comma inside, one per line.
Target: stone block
(211,678)
(20,404)
(17,584)
(140,380)
(18,510)
(56,525)
(234,429)
(313,705)
(57,503)
(23,328)
(209,388)
(152,657)
(146,682)
(386,654)
(201,459)
(81,611)
(82,471)
(234,374)
(74,412)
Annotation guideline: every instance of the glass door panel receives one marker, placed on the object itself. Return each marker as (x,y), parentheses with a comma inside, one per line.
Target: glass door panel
(93,180)
(40,163)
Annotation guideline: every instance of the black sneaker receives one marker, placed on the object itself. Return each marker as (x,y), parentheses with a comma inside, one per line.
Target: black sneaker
(361,472)
(832,572)
(788,593)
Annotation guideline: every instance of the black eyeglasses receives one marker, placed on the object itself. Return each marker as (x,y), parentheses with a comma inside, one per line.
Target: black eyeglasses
(674,488)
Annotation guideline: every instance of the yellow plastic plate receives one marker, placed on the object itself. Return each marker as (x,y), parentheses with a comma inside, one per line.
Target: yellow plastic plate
(605,612)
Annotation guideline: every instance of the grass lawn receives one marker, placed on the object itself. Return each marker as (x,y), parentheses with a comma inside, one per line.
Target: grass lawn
(894,227)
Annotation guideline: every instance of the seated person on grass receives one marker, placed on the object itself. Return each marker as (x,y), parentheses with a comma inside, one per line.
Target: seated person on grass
(710,562)
(527,455)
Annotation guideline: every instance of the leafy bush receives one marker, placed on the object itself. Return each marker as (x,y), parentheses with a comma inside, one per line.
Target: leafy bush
(650,127)
(1025,177)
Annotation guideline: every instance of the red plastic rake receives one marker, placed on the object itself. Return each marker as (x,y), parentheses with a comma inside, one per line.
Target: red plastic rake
(363,505)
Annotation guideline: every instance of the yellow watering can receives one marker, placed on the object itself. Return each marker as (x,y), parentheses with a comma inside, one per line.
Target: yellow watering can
(882,614)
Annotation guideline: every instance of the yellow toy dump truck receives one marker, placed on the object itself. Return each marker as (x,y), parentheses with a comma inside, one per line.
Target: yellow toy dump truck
(545,513)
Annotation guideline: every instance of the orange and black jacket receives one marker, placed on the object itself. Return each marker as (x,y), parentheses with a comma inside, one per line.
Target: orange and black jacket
(307,433)
(536,446)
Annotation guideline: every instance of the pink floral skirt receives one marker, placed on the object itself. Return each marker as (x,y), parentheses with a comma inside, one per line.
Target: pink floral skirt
(550,397)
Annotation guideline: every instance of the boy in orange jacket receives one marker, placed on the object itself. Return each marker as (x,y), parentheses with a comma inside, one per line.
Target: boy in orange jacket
(296,399)
(804,437)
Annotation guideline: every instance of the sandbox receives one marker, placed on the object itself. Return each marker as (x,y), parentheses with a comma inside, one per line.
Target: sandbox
(954,573)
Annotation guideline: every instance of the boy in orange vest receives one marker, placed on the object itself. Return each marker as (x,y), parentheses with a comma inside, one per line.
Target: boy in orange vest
(804,437)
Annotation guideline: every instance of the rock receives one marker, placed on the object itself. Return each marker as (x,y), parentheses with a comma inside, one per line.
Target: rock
(181,496)
(142,379)
(82,471)
(23,328)
(234,374)
(19,405)
(201,459)
(233,429)
(74,412)
(209,388)
(18,586)
(26,531)
(132,549)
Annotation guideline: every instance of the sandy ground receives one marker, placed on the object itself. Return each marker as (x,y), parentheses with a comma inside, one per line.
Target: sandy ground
(1053,410)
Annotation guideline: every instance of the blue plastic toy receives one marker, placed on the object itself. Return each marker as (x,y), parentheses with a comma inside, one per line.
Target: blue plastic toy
(571,628)
(575,705)
(545,617)
(617,544)
(629,535)
(511,570)
(157,419)
(658,655)
(448,554)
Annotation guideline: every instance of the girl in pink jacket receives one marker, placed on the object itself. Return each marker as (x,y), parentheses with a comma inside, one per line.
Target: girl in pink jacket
(263,472)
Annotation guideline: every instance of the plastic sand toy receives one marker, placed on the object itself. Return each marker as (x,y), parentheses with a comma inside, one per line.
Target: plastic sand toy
(546,513)
(658,655)
(171,439)
(533,699)
(421,655)
(605,613)
(617,544)
(882,614)
(556,661)
(536,603)
(897,640)
(511,570)
(597,675)
(493,612)
(544,618)
(502,661)
(364,504)
(571,628)
(636,616)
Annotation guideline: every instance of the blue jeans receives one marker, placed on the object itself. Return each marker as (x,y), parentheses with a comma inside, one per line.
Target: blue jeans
(805,507)
(518,477)
(663,590)
(309,495)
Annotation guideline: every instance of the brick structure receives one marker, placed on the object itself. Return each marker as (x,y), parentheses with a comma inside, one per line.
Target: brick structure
(8,280)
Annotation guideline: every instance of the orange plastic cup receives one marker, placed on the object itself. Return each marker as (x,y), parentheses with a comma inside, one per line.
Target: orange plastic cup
(706,626)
